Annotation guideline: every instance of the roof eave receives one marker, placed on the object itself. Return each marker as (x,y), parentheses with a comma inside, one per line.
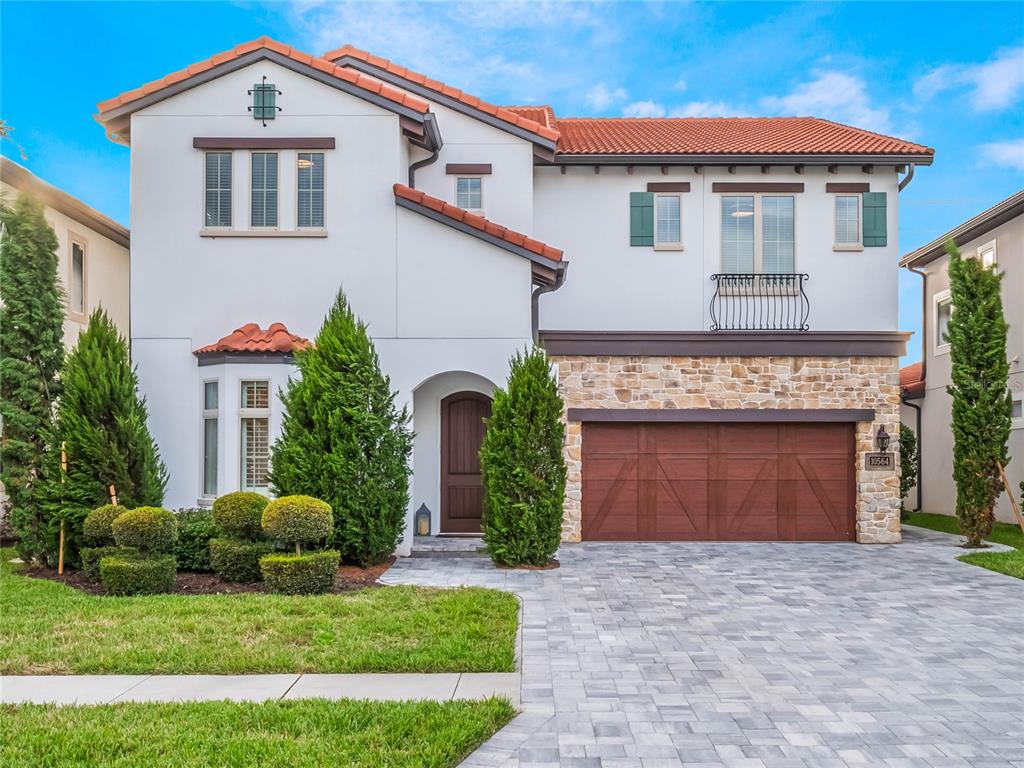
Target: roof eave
(571,158)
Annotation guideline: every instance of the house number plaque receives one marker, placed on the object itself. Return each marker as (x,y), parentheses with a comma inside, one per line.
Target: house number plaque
(879,461)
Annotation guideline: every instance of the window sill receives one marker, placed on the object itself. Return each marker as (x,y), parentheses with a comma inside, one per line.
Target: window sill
(847,247)
(668,246)
(262,233)
(942,349)
(205,502)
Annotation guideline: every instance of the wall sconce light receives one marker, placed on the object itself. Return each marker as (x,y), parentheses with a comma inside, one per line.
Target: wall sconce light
(422,522)
(882,439)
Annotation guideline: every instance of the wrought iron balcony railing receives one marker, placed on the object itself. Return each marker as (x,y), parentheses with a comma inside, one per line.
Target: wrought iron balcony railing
(759,302)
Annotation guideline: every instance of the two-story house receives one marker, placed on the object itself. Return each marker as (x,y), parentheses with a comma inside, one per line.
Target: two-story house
(718,295)
(996,237)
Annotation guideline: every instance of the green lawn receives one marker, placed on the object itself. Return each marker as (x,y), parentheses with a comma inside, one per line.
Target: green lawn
(297,734)
(1010,563)
(48,628)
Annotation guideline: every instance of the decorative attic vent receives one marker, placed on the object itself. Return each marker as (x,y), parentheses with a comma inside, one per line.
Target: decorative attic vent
(264,95)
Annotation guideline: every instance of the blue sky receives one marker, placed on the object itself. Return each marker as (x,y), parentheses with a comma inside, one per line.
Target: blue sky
(950,75)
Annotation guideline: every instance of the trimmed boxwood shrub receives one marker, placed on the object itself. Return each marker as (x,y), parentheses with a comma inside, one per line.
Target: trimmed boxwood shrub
(239,514)
(96,527)
(298,520)
(195,529)
(91,557)
(137,575)
(149,529)
(237,560)
(310,574)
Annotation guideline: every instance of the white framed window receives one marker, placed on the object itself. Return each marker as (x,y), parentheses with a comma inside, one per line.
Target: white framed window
(263,202)
(987,254)
(76,277)
(469,193)
(848,223)
(218,189)
(1017,410)
(310,177)
(254,421)
(758,234)
(211,419)
(668,223)
(942,311)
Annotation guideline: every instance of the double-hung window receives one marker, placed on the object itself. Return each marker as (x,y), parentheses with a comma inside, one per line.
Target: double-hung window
(987,254)
(211,413)
(668,225)
(469,193)
(76,292)
(218,189)
(848,222)
(758,234)
(264,189)
(943,312)
(1017,410)
(311,189)
(255,434)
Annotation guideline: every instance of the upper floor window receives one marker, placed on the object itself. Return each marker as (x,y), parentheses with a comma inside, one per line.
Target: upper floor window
(1017,410)
(255,435)
(847,221)
(758,234)
(943,312)
(311,189)
(76,292)
(987,254)
(218,189)
(668,226)
(469,193)
(264,189)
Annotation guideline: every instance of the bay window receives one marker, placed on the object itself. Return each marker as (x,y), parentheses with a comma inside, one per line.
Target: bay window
(211,415)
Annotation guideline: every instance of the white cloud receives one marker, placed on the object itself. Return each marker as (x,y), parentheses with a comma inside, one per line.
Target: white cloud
(992,85)
(680,85)
(834,95)
(600,97)
(708,109)
(643,109)
(1007,153)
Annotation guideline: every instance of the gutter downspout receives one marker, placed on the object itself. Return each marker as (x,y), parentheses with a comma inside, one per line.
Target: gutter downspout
(435,142)
(917,430)
(906,179)
(924,377)
(535,301)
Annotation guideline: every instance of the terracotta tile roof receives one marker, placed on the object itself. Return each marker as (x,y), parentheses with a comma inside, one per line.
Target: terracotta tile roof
(723,135)
(502,113)
(477,222)
(358,79)
(251,338)
(539,113)
(912,380)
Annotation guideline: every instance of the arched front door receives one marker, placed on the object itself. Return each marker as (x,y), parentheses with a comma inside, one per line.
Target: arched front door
(462,434)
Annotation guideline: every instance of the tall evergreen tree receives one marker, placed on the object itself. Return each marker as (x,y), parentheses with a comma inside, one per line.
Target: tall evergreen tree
(982,405)
(343,439)
(102,423)
(522,465)
(31,353)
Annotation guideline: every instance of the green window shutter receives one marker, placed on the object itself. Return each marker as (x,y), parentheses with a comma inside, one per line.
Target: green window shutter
(874,219)
(641,218)
(264,98)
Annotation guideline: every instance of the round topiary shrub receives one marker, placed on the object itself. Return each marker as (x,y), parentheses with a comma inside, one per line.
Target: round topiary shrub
(236,560)
(91,556)
(195,529)
(298,520)
(148,529)
(137,575)
(240,514)
(96,527)
(311,574)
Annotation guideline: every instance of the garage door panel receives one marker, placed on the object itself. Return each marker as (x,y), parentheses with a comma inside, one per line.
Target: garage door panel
(677,508)
(621,439)
(759,439)
(816,440)
(670,439)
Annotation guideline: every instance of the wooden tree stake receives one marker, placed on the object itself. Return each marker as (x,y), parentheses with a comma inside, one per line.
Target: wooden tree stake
(113,494)
(1013,499)
(63,472)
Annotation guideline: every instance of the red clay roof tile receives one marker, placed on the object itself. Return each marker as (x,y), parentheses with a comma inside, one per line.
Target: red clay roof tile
(251,338)
(477,222)
(911,380)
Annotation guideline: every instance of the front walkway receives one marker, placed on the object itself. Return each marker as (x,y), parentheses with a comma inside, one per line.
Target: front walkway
(759,655)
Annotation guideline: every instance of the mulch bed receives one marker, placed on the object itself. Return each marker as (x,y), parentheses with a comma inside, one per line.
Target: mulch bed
(349,578)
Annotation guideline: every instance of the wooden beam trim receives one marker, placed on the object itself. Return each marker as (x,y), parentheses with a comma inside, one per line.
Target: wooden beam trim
(847,187)
(756,186)
(475,169)
(263,142)
(668,186)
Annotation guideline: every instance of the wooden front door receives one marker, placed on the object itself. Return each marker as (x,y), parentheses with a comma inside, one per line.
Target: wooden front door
(462,434)
(731,482)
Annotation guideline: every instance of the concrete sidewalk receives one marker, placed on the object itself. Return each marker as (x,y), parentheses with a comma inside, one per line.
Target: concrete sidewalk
(105,689)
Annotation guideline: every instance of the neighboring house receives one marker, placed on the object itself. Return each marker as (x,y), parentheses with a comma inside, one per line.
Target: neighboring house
(726,338)
(995,236)
(92,251)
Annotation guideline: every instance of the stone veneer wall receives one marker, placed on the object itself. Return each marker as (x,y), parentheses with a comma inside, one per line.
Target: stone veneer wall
(743,382)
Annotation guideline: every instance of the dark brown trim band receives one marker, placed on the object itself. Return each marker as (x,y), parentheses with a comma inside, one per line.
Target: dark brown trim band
(698,415)
(476,169)
(756,186)
(726,343)
(244,358)
(261,142)
(854,186)
(668,186)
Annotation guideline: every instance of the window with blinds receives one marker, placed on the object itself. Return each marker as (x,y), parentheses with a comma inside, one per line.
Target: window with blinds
(76,299)
(264,189)
(777,235)
(848,220)
(667,221)
(210,421)
(255,435)
(311,189)
(469,193)
(737,234)
(218,189)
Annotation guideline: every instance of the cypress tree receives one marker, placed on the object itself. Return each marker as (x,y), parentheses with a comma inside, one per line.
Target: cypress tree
(982,405)
(31,353)
(344,441)
(908,464)
(522,465)
(102,422)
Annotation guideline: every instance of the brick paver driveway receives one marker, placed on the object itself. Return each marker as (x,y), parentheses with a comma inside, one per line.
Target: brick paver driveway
(770,655)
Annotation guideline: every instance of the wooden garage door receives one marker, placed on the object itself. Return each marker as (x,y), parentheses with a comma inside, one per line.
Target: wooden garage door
(738,482)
